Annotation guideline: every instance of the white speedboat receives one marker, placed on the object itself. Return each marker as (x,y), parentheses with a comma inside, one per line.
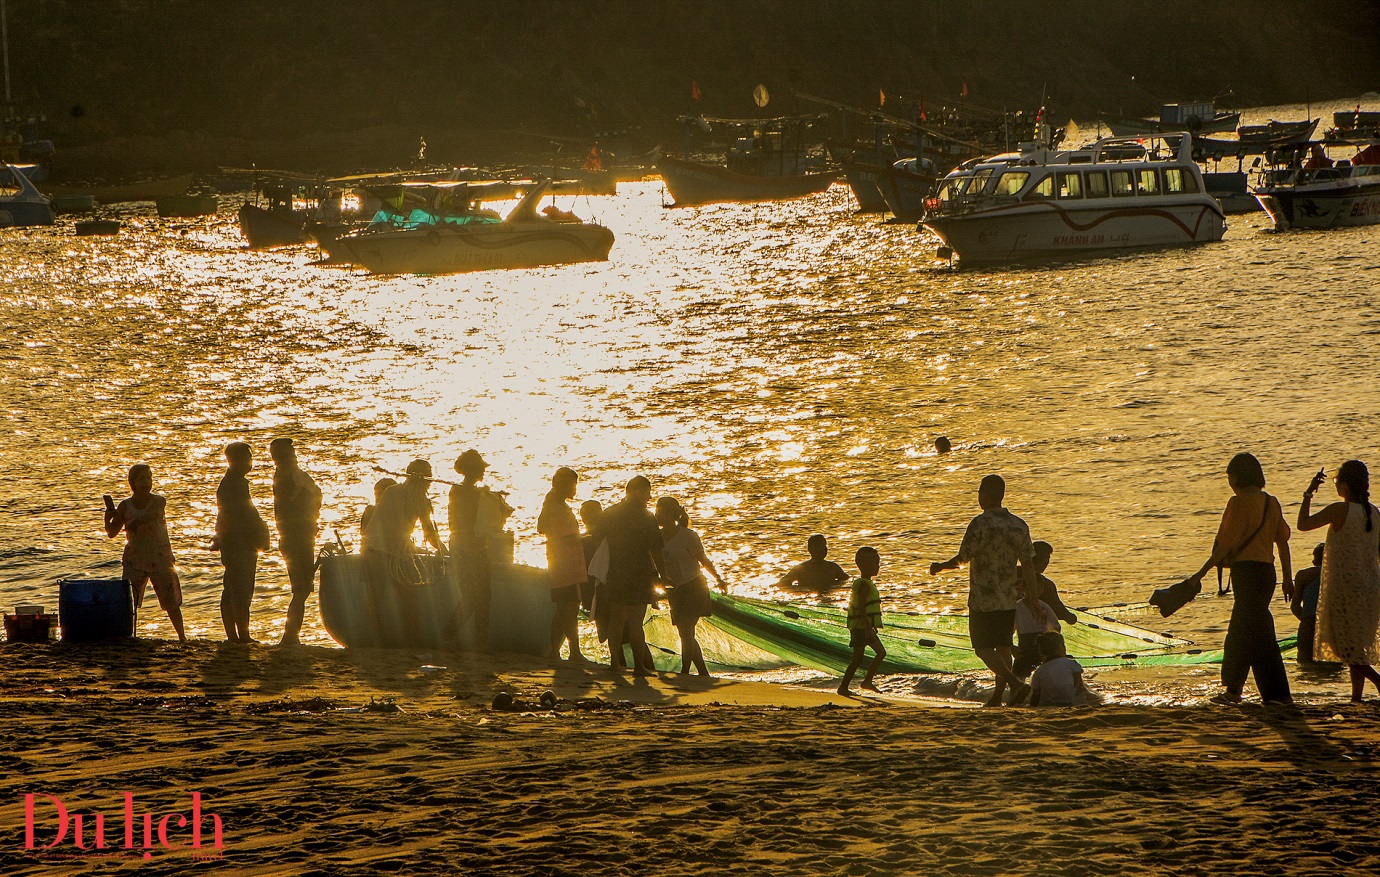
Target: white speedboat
(468,238)
(1118,193)
(20,203)
(1342,194)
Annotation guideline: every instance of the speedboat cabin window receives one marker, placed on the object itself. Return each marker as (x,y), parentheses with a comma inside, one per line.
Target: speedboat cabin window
(1042,190)
(1069,186)
(1011,182)
(1097,184)
(1122,186)
(1173,180)
(1147,181)
(979,181)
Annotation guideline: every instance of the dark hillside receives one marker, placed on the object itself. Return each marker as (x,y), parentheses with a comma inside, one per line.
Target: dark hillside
(344,83)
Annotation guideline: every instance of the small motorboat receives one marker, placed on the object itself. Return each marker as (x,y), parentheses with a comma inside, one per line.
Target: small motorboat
(449,233)
(89,227)
(1324,193)
(20,203)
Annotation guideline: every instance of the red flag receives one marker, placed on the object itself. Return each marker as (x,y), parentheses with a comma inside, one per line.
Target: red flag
(881,98)
(965,89)
(694,90)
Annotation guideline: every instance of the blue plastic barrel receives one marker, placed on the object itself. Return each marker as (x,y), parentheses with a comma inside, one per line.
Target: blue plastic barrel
(90,610)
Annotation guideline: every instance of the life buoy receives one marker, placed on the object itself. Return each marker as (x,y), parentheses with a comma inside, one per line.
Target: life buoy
(433,237)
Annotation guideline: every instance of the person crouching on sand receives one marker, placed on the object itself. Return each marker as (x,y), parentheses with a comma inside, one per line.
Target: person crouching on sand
(148,554)
(1058,681)
(864,618)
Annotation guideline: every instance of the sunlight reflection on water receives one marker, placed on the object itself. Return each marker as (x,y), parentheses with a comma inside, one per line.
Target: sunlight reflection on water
(782,368)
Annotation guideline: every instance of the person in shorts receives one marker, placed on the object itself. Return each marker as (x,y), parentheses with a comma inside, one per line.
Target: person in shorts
(1000,558)
(864,619)
(565,562)
(148,557)
(296,510)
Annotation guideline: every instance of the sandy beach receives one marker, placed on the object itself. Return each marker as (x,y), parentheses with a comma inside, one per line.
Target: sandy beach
(332,762)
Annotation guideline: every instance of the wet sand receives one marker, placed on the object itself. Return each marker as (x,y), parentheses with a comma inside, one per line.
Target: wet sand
(323,761)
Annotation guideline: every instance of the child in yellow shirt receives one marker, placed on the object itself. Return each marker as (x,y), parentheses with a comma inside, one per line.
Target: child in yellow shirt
(864,618)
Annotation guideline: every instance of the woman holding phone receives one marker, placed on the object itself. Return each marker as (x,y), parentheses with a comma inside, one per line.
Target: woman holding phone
(1349,598)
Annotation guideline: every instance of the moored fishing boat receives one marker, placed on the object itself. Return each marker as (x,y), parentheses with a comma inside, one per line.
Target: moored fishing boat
(20,203)
(1195,118)
(766,160)
(1118,193)
(460,236)
(1323,193)
(1273,133)
(905,185)
(432,613)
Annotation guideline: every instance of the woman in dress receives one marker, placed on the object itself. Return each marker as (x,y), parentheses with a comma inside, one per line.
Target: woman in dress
(686,588)
(1252,528)
(1349,599)
(148,553)
(565,562)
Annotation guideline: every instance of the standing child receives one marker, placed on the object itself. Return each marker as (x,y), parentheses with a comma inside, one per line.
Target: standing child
(1058,681)
(864,618)
(1305,604)
(148,553)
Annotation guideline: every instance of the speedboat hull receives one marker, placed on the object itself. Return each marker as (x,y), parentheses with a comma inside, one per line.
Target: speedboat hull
(1319,207)
(1027,230)
(692,183)
(451,249)
(904,192)
(26,206)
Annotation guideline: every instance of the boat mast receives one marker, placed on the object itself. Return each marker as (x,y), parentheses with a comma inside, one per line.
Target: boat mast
(5,36)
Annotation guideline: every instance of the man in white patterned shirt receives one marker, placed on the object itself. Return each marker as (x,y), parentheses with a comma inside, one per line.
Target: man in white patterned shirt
(999,554)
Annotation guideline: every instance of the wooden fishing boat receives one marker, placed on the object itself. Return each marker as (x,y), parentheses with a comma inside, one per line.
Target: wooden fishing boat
(766,160)
(433,613)
(1195,118)
(692,183)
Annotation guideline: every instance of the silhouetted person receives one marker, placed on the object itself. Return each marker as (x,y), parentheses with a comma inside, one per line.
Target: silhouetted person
(296,510)
(590,513)
(1307,585)
(816,574)
(635,564)
(687,590)
(864,620)
(476,515)
(389,555)
(1349,595)
(999,554)
(942,444)
(365,516)
(240,535)
(1252,527)
(565,562)
(148,554)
